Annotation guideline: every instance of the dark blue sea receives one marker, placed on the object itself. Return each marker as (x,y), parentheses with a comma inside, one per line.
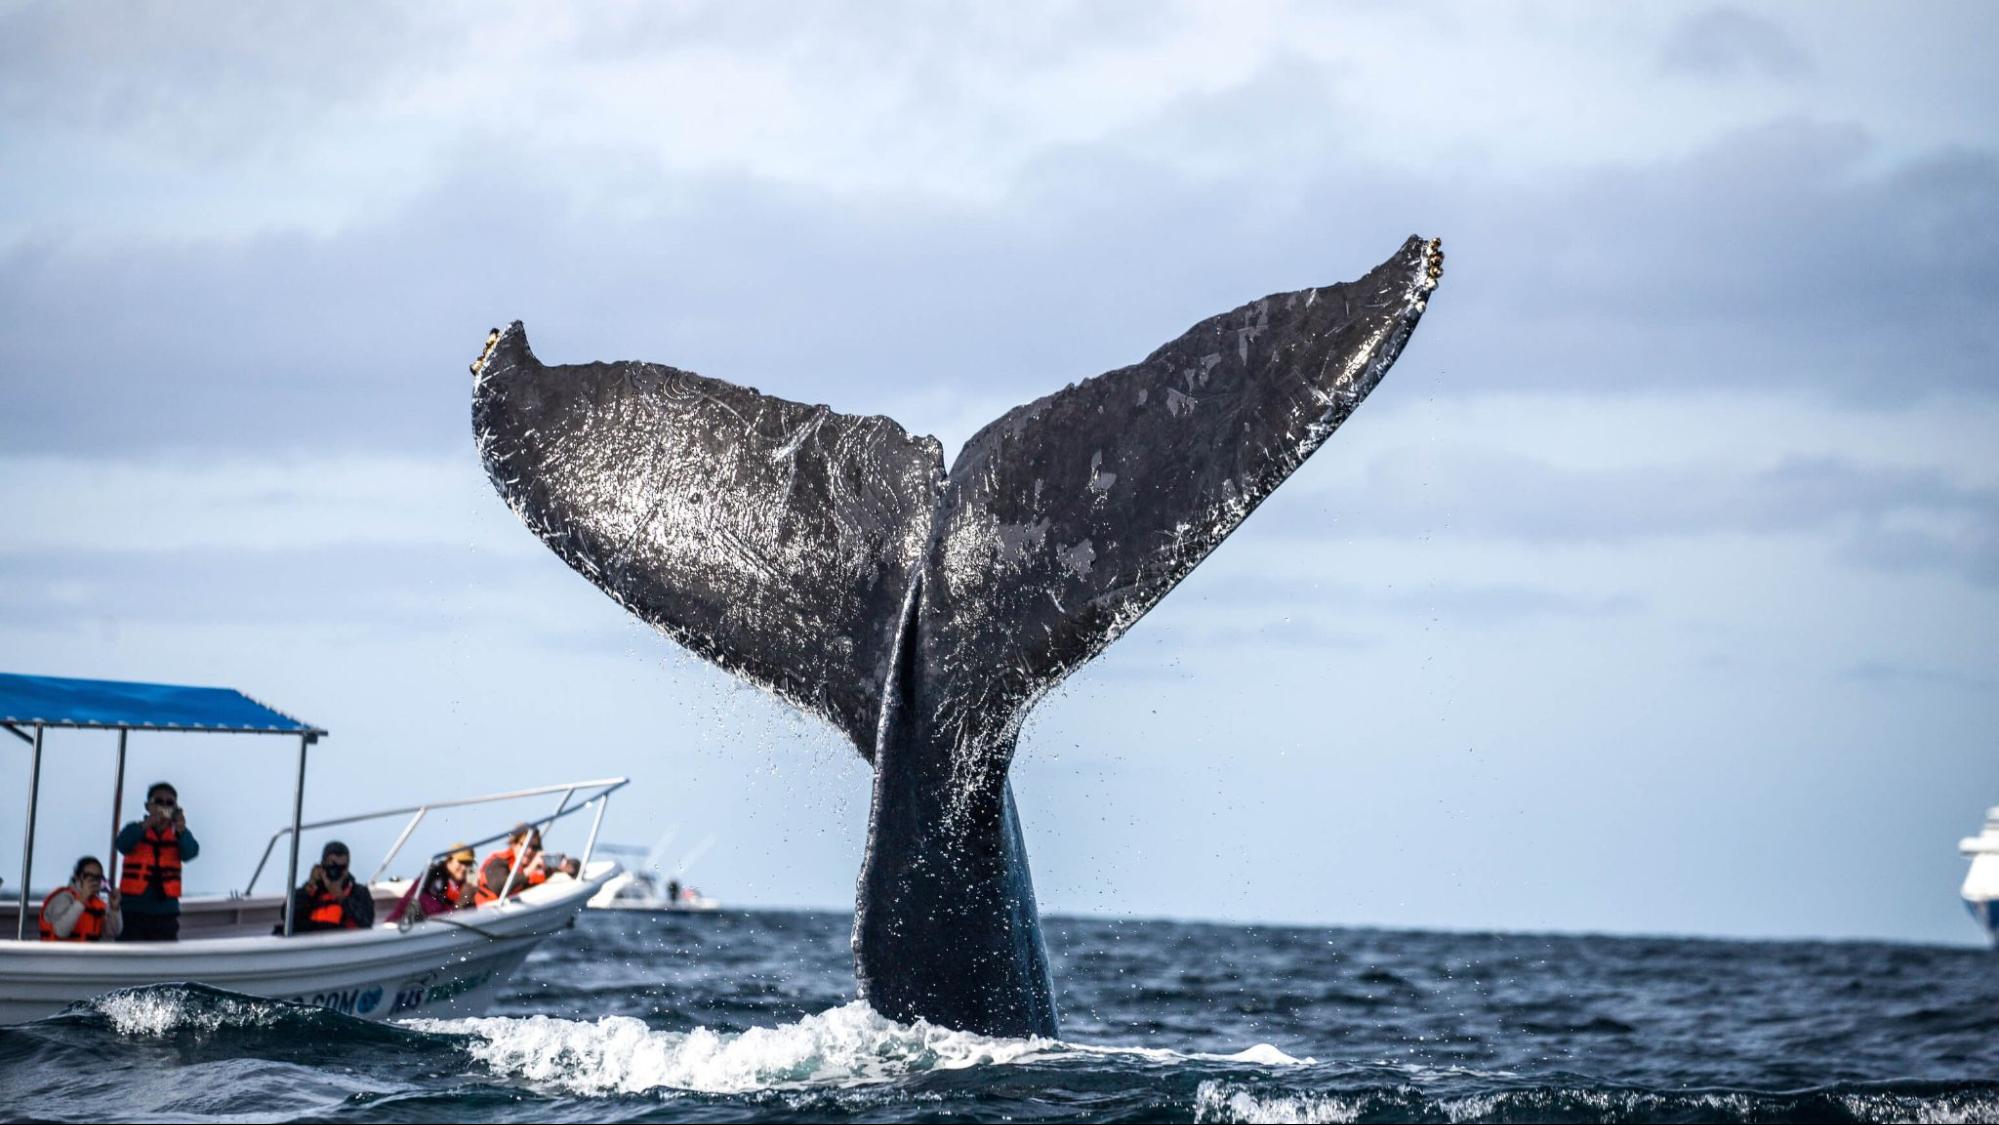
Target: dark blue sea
(749,1017)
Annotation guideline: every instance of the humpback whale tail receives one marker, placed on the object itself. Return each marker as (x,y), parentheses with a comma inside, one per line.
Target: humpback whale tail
(829,558)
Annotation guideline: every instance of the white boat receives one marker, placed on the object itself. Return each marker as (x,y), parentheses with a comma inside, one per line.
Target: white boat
(447,964)
(1981,883)
(641,890)
(641,887)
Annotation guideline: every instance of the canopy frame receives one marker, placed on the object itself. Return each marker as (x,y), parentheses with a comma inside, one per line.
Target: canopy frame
(306,734)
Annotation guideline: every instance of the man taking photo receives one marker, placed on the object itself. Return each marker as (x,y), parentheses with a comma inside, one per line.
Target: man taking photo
(330,898)
(154,850)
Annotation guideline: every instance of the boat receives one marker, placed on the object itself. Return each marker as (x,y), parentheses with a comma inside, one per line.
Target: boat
(1981,883)
(642,888)
(444,965)
(641,891)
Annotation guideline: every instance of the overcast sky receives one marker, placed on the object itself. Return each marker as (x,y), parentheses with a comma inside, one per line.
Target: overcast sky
(1657,588)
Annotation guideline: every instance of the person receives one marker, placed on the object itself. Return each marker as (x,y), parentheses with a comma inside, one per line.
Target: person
(330,898)
(75,913)
(534,866)
(448,885)
(154,849)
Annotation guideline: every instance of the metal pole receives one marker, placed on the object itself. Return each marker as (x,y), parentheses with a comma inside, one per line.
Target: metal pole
(28,844)
(298,814)
(520,858)
(559,810)
(590,845)
(117,803)
(398,846)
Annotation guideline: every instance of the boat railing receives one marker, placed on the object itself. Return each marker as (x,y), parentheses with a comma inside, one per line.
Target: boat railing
(597,793)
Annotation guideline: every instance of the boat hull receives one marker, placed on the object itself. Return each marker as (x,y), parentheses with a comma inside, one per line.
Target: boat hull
(449,965)
(1986,913)
(1981,882)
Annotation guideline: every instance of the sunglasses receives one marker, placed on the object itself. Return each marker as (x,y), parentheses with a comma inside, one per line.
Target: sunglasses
(92,876)
(162,802)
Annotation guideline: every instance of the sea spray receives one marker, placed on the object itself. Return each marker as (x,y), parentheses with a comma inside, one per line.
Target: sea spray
(848,1045)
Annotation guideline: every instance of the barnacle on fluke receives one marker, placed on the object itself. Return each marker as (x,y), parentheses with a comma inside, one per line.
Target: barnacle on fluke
(831,559)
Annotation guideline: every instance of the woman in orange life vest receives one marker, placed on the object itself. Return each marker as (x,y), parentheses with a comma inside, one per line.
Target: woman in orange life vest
(154,850)
(524,842)
(75,913)
(330,898)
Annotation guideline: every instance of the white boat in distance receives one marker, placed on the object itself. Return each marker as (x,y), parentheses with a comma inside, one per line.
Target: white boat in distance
(1981,883)
(640,887)
(445,965)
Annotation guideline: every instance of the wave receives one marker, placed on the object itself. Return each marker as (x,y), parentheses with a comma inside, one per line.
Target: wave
(847,1061)
(169,1011)
(851,1045)
(1223,1101)
(846,1046)
(157,1011)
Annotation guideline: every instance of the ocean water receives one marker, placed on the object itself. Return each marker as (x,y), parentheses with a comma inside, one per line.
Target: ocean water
(749,1016)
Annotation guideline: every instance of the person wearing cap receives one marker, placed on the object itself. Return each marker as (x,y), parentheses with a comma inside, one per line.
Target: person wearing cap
(454,881)
(449,884)
(330,898)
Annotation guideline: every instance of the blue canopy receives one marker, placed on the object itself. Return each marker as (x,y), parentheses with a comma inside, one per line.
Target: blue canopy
(54,701)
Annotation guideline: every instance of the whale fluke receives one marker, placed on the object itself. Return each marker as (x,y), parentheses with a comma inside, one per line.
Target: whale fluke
(771,537)
(830,559)
(1068,518)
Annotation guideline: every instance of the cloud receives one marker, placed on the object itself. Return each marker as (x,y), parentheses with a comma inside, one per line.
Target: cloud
(206,105)
(1729,42)
(1890,674)
(1969,548)
(1286,631)
(1880,516)
(783,224)
(1773,262)
(379,591)
(1471,603)
(850,97)
(242,503)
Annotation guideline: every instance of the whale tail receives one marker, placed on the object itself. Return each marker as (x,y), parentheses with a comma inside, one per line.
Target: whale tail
(1065,520)
(830,559)
(773,538)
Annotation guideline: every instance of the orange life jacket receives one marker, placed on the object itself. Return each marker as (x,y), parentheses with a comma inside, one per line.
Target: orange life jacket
(89,927)
(523,879)
(453,894)
(157,855)
(325,910)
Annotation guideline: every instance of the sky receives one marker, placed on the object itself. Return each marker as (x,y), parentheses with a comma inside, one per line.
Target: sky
(1655,590)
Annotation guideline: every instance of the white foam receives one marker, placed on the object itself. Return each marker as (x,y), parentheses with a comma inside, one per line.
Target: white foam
(1266,1055)
(1263,1054)
(851,1045)
(157,1011)
(845,1046)
(1227,1102)
(1941,1108)
(1218,1102)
